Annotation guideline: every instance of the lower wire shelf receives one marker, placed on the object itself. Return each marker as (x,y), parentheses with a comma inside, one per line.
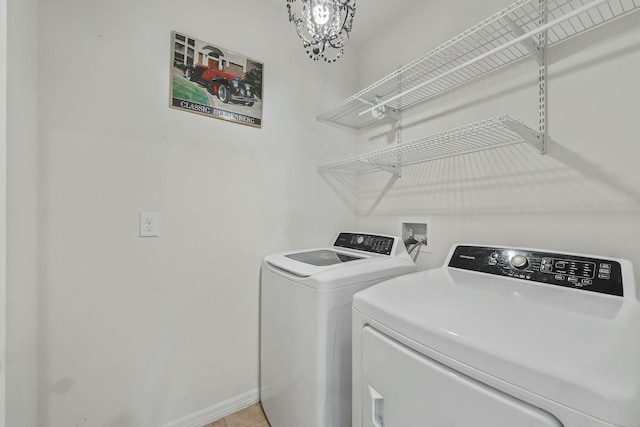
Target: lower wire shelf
(496,132)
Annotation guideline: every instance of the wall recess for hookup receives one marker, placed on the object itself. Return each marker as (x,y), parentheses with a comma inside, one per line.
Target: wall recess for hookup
(149,224)
(416,231)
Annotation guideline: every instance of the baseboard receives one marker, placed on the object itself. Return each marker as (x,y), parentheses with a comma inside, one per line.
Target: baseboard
(217,411)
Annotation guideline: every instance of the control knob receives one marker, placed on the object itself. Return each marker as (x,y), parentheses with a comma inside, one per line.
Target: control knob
(519,261)
(359,240)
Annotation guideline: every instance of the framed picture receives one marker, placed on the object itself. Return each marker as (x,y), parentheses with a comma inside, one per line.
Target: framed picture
(209,80)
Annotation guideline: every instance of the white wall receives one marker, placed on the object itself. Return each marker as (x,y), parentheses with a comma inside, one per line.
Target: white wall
(3,210)
(22,222)
(139,332)
(579,197)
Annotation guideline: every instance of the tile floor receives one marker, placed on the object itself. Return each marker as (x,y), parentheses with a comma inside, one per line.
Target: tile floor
(253,416)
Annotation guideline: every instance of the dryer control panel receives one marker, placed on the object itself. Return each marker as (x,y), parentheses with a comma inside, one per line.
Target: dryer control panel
(366,242)
(572,271)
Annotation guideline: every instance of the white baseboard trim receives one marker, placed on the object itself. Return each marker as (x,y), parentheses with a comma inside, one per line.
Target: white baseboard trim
(217,411)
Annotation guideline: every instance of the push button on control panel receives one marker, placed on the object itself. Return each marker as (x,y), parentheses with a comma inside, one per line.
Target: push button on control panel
(604,271)
(519,261)
(493,259)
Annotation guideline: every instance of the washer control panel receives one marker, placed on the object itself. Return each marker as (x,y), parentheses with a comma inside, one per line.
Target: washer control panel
(571,271)
(365,242)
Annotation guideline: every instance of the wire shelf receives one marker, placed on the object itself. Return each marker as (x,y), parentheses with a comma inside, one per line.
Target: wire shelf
(345,177)
(492,133)
(489,46)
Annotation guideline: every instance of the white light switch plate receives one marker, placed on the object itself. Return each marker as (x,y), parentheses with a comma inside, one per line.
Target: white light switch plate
(149,224)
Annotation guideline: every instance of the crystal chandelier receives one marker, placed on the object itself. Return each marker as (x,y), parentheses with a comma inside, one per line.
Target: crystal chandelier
(323,26)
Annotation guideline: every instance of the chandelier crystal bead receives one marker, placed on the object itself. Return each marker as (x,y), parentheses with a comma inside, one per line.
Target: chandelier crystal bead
(323,25)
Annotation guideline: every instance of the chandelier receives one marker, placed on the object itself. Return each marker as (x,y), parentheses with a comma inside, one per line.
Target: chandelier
(323,26)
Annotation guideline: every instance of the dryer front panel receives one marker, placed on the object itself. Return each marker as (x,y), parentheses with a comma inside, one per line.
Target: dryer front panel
(402,388)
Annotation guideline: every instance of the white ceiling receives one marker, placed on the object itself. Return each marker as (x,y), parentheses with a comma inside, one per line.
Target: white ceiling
(371,15)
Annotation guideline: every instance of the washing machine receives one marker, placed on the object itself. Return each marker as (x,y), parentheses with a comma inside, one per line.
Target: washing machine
(305,332)
(500,337)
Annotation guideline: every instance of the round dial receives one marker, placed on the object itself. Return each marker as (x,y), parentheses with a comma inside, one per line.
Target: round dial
(359,240)
(519,261)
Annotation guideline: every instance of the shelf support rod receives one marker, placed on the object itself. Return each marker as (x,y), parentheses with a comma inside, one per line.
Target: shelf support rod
(529,43)
(542,78)
(491,52)
(364,101)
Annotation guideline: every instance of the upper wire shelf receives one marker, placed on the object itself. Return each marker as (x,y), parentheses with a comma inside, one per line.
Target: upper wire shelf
(501,40)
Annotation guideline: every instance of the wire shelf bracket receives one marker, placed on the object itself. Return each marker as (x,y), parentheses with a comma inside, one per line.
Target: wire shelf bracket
(393,168)
(530,44)
(536,139)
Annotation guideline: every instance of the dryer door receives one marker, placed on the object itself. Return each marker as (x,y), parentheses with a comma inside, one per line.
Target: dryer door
(403,388)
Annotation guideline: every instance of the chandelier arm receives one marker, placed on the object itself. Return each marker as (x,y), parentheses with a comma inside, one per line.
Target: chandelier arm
(349,15)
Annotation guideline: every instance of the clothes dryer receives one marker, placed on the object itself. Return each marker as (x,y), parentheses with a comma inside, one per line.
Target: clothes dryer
(500,337)
(305,338)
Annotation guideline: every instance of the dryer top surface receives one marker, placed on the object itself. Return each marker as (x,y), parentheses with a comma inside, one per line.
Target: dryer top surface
(580,349)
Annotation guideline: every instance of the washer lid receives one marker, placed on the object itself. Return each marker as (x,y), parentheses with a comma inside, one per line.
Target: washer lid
(579,349)
(311,262)
(353,258)
(322,257)
(328,268)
